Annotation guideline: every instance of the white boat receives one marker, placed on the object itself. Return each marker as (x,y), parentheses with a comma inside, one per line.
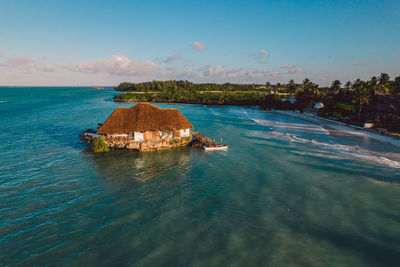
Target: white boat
(215,147)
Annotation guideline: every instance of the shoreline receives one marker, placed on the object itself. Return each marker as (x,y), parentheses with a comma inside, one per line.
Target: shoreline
(188,102)
(192,103)
(325,123)
(330,125)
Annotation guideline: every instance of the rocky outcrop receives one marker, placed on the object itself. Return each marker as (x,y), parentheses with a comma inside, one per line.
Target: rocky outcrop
(146,145)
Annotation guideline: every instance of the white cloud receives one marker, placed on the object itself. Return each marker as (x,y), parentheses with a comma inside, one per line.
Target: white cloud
(19,61)
(297,70)
(212,71)
(27,64)
(263,71)
(189,71)
(116,65)
(220,72)
(288,66)
(277,73)
(172,58)
(49,68)
(263,52)
(259,73)
(199,46)
(292,68)
(234,73)
(26,70)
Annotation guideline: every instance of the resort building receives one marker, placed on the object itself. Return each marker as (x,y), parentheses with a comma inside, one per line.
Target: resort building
(144,127)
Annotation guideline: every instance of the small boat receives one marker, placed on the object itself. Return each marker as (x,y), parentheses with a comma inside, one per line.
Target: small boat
(215,147)
(98,88)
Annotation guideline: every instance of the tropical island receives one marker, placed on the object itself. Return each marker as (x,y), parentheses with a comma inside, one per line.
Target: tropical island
(375,102)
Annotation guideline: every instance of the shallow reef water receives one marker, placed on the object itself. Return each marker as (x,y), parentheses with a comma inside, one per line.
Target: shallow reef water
(287,192)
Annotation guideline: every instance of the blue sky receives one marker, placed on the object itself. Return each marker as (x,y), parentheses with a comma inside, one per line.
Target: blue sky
(106,42)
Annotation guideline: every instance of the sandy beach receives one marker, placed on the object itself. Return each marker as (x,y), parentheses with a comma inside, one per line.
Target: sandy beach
(338,127)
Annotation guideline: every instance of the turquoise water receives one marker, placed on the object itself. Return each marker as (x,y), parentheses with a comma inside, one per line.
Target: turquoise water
(286,193)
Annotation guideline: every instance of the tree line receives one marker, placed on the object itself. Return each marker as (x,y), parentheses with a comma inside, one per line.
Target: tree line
(339,100)
(159,86)
(195,97)
(344,100)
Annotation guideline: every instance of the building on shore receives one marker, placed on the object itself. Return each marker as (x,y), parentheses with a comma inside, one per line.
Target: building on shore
(144,127)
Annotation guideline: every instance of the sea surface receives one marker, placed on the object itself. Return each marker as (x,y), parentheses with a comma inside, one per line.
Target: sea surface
(286,193)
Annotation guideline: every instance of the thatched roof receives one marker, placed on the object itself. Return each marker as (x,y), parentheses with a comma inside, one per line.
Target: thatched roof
(143,117)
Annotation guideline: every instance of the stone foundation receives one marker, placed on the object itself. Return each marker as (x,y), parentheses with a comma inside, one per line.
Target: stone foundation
(146,145)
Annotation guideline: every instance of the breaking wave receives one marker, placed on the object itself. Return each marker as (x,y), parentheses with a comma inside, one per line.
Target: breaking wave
(308,134)
(333,150)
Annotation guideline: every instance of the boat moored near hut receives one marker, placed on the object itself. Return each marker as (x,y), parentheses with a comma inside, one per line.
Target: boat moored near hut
(144,127)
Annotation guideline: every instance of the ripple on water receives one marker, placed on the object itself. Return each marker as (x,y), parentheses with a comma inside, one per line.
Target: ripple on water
(285,193)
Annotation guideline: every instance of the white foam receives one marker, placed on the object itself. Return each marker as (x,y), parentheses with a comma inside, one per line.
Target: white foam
(290,131)
(349,151)
(340,126)
(310,128)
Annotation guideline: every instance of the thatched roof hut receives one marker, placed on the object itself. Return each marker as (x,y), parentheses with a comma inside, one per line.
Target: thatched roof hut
(143,117)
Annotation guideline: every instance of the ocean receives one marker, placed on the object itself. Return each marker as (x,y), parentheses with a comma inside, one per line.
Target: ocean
(286,193)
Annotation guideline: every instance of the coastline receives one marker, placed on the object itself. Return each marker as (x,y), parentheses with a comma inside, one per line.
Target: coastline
(250,98)
(189,103)
(331,125)
(328,124)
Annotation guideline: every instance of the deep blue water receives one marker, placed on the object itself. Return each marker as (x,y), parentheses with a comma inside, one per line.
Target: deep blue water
(286,193)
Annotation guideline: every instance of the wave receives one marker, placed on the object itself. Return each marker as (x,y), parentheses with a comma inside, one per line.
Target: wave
(294,133)
(332,150)
(3,101)
(295,126)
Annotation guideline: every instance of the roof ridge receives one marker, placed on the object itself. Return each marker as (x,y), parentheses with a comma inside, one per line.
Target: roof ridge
(144,104)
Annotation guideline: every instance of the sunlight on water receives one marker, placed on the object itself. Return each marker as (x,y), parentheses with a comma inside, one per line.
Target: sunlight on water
(285,193)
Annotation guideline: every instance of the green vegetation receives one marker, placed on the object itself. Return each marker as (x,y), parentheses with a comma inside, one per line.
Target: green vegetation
(193,97)
(376,100)
(187,138)
(344,100)
(185,86)
(206,93)
(339,101)
(99,145)
(173,141)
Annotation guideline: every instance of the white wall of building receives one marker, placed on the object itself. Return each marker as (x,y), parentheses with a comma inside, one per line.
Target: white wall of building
(185,132)
(138,136)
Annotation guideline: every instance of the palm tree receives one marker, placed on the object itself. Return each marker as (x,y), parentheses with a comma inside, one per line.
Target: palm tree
(278,87)
(361,95)
(373,85)
(396,85)
(384,80)
(306,81)
(308,94)
(348,85)
(335,87)
(291,87)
